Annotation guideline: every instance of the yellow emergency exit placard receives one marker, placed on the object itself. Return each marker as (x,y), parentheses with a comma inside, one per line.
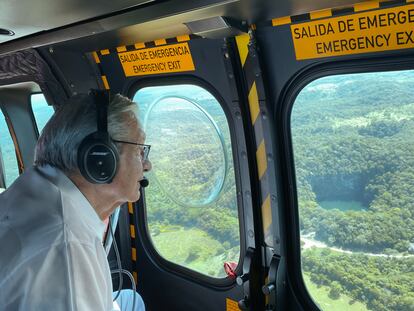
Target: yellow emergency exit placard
(232,305)
(156,60)
(372,31)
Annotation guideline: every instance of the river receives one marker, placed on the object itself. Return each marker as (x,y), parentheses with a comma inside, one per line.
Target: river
(310,242)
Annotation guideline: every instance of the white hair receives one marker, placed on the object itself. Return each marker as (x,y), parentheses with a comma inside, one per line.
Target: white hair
(72,122)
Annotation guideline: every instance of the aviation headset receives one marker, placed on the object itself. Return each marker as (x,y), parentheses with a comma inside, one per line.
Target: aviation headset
(97,154)
(98,163)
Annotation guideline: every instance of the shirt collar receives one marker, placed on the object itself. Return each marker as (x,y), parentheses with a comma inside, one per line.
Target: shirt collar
(69,189)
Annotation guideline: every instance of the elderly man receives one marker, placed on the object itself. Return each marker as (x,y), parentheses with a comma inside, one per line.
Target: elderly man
(51,217)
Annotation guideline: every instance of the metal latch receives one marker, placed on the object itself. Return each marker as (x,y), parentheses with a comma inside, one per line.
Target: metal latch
(244,280)
(274,288)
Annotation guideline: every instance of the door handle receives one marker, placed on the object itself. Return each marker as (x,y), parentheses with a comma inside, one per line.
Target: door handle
(274,290)
(244,280)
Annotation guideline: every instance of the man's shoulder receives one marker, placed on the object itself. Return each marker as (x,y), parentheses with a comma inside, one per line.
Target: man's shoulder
(44,200)
(30,220)
(32,185)
(31,199)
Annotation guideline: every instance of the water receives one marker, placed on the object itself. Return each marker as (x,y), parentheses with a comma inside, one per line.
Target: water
(343,205)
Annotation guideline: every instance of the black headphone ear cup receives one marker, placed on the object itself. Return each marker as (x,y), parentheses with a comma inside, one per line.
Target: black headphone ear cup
(98,158)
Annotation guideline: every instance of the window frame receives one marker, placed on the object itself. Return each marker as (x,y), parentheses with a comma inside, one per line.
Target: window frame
(32,113)
(237,140)
(286,102)
(2,166)
(18,156)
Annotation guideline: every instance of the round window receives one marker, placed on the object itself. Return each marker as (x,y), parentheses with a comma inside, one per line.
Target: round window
(188,152)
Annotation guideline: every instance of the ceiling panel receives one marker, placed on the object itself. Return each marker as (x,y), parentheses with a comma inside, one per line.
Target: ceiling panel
(42,22)
(25,17)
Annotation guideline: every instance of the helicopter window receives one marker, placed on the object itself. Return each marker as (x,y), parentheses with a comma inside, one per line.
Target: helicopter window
(41,110)
(191,205)
(353,143)
(7,154)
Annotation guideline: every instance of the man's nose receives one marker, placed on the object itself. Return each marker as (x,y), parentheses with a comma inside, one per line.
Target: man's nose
(147,166)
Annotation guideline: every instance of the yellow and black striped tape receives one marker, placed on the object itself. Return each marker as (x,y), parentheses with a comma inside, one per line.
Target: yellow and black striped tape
(133,237)
(145,45)
(105,83)
(256,96)
(333,12)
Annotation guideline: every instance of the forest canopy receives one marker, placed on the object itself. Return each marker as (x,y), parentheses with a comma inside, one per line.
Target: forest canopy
(352,138)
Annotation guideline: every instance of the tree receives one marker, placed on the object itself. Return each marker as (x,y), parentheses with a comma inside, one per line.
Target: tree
(335,291)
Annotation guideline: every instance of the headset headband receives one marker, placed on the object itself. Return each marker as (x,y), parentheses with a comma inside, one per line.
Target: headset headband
(101,100)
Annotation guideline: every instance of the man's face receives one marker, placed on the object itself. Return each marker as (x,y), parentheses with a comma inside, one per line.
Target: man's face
(131,167)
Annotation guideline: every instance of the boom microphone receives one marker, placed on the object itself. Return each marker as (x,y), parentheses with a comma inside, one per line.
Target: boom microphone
(144,182)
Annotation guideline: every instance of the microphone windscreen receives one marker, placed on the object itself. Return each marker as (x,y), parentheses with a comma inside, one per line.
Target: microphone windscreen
(144,182)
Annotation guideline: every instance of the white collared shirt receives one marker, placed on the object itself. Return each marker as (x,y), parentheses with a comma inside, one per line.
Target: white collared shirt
(51,254)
